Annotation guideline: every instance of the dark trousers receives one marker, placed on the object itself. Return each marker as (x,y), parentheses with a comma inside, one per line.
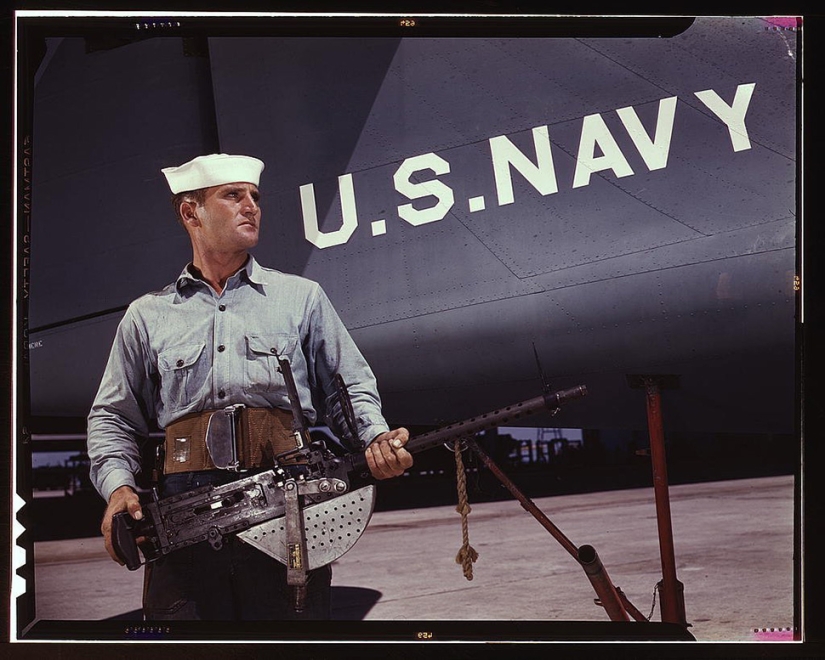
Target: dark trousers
(236,582)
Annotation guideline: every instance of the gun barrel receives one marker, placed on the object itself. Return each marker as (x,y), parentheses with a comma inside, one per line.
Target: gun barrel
(483,422)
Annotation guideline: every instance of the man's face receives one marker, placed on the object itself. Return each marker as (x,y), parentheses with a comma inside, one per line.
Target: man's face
(229,218)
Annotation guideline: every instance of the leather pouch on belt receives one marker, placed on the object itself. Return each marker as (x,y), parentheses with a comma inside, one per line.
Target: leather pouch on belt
(185,445)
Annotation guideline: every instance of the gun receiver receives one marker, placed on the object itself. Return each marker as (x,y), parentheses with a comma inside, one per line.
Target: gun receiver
(212,512)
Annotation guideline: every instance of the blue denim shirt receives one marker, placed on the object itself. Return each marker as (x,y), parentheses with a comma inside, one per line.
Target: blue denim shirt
(187,348)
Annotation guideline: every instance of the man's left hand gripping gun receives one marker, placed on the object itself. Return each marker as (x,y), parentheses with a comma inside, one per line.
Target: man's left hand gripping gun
(267,509)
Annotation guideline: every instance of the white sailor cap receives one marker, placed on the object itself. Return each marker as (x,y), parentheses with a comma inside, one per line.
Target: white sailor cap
(213,170)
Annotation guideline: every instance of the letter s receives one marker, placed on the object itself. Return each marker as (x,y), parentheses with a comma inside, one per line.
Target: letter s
(435,188)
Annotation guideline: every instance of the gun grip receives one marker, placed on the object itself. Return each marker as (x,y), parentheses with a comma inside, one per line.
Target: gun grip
(123,540)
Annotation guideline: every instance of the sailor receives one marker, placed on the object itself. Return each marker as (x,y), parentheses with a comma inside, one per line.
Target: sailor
(207,341)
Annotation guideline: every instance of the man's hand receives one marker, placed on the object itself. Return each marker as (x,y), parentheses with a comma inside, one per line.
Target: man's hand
(386,456)
(123,499)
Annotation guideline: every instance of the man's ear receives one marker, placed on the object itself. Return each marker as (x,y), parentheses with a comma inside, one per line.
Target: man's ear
(187,213)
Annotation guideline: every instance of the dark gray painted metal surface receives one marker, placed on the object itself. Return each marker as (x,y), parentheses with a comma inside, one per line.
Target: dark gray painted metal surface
(105,122)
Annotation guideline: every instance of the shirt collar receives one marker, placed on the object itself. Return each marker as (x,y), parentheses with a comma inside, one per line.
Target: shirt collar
(254,272)
(251,272)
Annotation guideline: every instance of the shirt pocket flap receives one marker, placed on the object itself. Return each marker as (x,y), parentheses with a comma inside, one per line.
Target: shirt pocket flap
(180,357)
(281,344)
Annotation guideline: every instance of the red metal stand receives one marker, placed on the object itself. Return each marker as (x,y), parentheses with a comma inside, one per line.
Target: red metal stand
(671,591)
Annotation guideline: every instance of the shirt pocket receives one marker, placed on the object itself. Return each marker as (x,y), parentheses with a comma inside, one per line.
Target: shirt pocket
(261,365)
(182,374)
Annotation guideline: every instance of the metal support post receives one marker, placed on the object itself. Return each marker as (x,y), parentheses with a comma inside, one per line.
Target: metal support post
(672,598)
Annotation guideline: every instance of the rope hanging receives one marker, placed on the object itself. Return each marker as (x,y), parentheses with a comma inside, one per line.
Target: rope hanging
(653,606)
(466,555)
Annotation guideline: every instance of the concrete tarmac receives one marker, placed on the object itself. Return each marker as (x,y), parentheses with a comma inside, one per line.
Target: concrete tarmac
(733,545)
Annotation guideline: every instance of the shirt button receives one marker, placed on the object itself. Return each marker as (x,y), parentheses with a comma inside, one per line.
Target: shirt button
(222,308)
(221,348)
(179,363)
(221,394)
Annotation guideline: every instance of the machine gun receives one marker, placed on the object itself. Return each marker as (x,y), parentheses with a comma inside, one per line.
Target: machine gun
(304,521)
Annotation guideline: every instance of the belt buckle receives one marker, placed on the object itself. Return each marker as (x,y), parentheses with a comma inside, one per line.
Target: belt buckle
(221,437)
(234,411)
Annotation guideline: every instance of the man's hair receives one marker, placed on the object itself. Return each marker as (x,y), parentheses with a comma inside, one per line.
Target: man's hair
(197,196)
